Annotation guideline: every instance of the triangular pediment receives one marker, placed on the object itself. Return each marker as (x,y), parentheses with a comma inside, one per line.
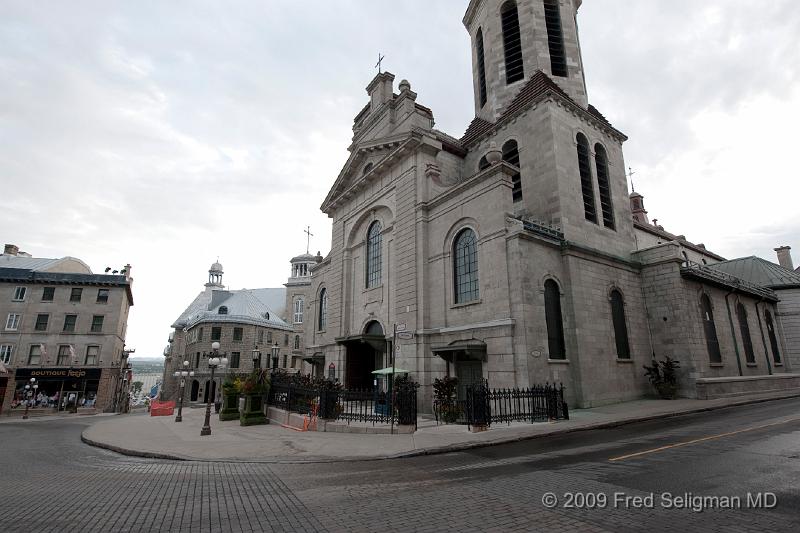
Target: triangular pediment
(366,158)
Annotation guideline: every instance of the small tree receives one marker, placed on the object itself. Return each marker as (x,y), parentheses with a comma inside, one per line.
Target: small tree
(137,387)
(663,375)
(444,391)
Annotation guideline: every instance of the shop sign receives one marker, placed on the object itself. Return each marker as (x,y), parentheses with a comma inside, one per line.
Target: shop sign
(58,373)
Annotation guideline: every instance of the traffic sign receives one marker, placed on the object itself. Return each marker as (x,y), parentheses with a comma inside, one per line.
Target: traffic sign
(406,335)
(400,327)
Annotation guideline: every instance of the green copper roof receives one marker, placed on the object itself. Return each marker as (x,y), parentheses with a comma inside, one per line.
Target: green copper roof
(759,272)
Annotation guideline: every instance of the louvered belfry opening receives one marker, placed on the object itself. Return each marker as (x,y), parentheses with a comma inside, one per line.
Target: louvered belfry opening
(511,156)
(512,43)
(481,67)
(584,166)
(710,329)
(744,328)
(555,38)
(606,207)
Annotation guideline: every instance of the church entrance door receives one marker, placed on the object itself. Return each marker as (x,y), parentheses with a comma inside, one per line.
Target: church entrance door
(195,390)
(364,355)
(467,373)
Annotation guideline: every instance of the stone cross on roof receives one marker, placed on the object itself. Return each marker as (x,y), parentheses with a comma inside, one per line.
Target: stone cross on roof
(308,233)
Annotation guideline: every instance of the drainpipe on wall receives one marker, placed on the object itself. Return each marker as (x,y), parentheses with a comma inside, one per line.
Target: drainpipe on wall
(733,333)
(763,338)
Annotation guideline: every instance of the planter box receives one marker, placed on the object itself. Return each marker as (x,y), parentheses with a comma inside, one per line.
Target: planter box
(230,407)
(253,412)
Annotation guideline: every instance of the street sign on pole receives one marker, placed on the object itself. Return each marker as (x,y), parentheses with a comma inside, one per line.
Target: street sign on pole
(405,335)
(400,327)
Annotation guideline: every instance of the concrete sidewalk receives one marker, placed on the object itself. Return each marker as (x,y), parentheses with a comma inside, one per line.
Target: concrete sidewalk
(162,437)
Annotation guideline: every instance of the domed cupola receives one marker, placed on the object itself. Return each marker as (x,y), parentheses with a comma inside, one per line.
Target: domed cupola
(215,275)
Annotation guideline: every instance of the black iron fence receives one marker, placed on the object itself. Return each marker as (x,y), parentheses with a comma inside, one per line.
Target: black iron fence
(350,405)
(484,406)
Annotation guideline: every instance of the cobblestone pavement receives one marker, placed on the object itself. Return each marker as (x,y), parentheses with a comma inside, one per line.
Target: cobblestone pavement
(50,481)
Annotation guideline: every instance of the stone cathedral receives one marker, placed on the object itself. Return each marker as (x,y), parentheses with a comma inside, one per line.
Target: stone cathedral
(515,253)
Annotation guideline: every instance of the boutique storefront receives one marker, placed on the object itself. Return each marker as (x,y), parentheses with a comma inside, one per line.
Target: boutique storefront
(65,389)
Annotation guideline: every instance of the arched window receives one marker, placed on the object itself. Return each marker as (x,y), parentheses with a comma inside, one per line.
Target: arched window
(586,179)
(465,267)
(374,255)
(367,168)
(555,323)
(512,45)
(297,342)
(223,310)
(481,67)
(555,38)
(511,156)
(483,163)
(323,309)
(298,311)
(773,339)
(620,327)
(606,206)
(712,343)
(744,329)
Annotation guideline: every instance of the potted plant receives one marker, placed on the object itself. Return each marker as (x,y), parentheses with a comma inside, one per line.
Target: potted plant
(231,388)
(663,376)
(444,391)
(254,389)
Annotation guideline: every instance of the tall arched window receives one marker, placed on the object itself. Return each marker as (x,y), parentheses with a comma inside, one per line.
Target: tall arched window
(555,38)
(511,156)
(512,45)
(606,206)
(584,167)
(298,311)
(323,309)
(555,323)
(367,168)
(483,163)
(773,338)
(620,327)
(374,255)
(481,67)
(465,267)
(712,343)
(744,328)
(297,342)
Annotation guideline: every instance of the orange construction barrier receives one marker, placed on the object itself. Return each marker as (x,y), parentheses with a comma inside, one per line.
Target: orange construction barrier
(162,408)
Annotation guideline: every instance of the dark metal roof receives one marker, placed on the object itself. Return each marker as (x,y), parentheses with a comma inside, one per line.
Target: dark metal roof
(708,274)
(760,272)
(538,86)
(23,275)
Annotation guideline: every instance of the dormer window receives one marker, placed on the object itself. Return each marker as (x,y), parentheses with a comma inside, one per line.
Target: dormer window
(223,310)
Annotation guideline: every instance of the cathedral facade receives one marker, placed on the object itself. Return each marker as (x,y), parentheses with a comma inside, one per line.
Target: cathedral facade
(515,252)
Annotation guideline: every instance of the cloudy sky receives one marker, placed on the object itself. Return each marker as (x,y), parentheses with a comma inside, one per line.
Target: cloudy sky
(166,134)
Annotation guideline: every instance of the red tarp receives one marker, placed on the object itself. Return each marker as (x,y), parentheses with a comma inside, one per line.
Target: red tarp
(162,408)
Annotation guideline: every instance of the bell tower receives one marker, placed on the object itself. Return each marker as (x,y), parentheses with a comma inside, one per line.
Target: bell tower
(512,39)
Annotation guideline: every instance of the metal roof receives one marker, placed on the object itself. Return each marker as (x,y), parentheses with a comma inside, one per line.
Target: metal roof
(248,306)
(760,272)
(27,263)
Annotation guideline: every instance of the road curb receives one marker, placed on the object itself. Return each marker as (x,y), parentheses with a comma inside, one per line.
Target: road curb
(434,450)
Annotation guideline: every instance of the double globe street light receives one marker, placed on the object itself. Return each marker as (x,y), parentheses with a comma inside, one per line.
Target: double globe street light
(214,361)
(30,393)
(183,374)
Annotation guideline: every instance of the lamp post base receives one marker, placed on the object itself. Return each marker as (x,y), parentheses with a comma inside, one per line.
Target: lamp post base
(205,431)
(179,418)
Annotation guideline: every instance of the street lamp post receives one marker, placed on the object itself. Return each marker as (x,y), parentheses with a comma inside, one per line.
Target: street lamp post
(30,389)
(182,374)
(213,362)
(256,357)
(276,351)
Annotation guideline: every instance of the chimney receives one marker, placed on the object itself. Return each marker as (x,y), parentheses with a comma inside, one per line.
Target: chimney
(380,90)
(11,249)
(784,257)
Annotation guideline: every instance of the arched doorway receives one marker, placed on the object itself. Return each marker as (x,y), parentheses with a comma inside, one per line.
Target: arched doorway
(195,390)
(210,389)
(365,353)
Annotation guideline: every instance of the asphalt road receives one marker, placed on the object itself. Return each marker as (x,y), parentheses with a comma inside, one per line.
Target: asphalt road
(630,478)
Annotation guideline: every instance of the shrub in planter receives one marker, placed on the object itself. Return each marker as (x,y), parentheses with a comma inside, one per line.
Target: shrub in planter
(405,391)
(663,376)
(255,389)
(231,388)
(444,391)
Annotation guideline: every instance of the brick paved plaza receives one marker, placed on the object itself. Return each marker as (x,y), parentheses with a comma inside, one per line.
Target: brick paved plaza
(53,482)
